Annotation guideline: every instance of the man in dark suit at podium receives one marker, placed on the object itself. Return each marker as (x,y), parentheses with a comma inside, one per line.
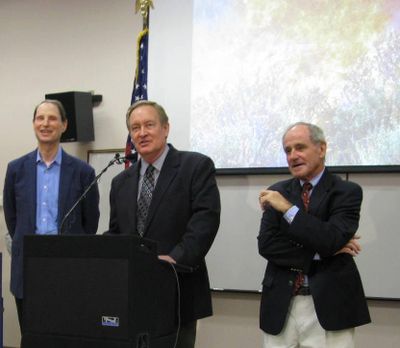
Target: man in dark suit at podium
(171,197)
(41,186)
(312,292)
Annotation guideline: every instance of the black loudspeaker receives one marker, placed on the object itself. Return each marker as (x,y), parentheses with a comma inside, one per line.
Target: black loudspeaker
(97,292)
(79,110)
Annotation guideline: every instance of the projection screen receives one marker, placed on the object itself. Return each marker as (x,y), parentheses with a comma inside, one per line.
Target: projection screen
(248,69)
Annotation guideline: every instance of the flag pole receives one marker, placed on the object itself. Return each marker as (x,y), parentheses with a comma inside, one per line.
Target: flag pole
(139,90)
(144,7)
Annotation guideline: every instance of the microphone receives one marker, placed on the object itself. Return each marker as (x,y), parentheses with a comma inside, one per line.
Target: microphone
(126,158)
(117,159)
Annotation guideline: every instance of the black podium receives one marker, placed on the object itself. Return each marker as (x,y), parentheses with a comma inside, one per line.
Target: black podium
(97,292)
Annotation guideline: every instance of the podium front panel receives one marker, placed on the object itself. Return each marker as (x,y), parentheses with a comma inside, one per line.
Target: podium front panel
(104,290)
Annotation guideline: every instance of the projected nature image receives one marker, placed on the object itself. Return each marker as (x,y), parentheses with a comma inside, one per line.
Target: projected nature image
(259,66)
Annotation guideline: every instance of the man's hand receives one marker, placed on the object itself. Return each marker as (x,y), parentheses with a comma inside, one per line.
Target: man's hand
(352,247)
(167,258)
(275,200)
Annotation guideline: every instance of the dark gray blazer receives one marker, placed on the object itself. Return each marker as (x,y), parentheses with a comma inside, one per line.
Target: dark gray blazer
(19,201)
(183,218)
(332,220)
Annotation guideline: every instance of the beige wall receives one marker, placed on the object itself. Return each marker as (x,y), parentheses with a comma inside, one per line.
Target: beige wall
(56,45)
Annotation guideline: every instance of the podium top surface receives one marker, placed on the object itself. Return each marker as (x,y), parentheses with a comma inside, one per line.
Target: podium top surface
(104,246)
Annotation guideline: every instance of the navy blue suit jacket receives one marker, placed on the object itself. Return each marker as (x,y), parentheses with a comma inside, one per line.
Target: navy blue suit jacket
(331,221)
(19,201)
(183,218)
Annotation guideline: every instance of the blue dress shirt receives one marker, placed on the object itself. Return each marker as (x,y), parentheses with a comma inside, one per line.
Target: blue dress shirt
(47,188)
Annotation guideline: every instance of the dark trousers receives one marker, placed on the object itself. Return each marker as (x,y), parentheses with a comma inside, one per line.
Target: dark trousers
(187,335)
(20,311)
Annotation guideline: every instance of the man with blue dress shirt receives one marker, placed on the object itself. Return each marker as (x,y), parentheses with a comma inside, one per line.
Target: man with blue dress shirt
(41,187)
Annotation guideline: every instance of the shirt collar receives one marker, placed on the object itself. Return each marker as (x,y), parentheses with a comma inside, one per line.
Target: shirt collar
(157,164)
(315,180)
(56,160)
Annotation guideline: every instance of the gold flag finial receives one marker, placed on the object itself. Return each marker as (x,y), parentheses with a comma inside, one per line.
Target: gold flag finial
(143,6)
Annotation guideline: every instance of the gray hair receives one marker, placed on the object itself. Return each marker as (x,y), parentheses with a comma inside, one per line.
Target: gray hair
(162,115)
(59,106)
(316,133)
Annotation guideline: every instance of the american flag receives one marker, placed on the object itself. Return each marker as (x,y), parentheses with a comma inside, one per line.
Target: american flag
(139,91)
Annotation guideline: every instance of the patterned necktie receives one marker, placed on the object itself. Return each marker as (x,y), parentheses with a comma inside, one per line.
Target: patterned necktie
(144,200)
(305,196)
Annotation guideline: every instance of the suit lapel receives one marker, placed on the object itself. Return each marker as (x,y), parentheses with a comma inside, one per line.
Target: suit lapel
(294,193)
(167,175)
(66,175)
(320,192)
(31,188)
(131,190)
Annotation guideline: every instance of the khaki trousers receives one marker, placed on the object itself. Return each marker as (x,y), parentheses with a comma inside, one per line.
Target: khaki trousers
(302,330)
